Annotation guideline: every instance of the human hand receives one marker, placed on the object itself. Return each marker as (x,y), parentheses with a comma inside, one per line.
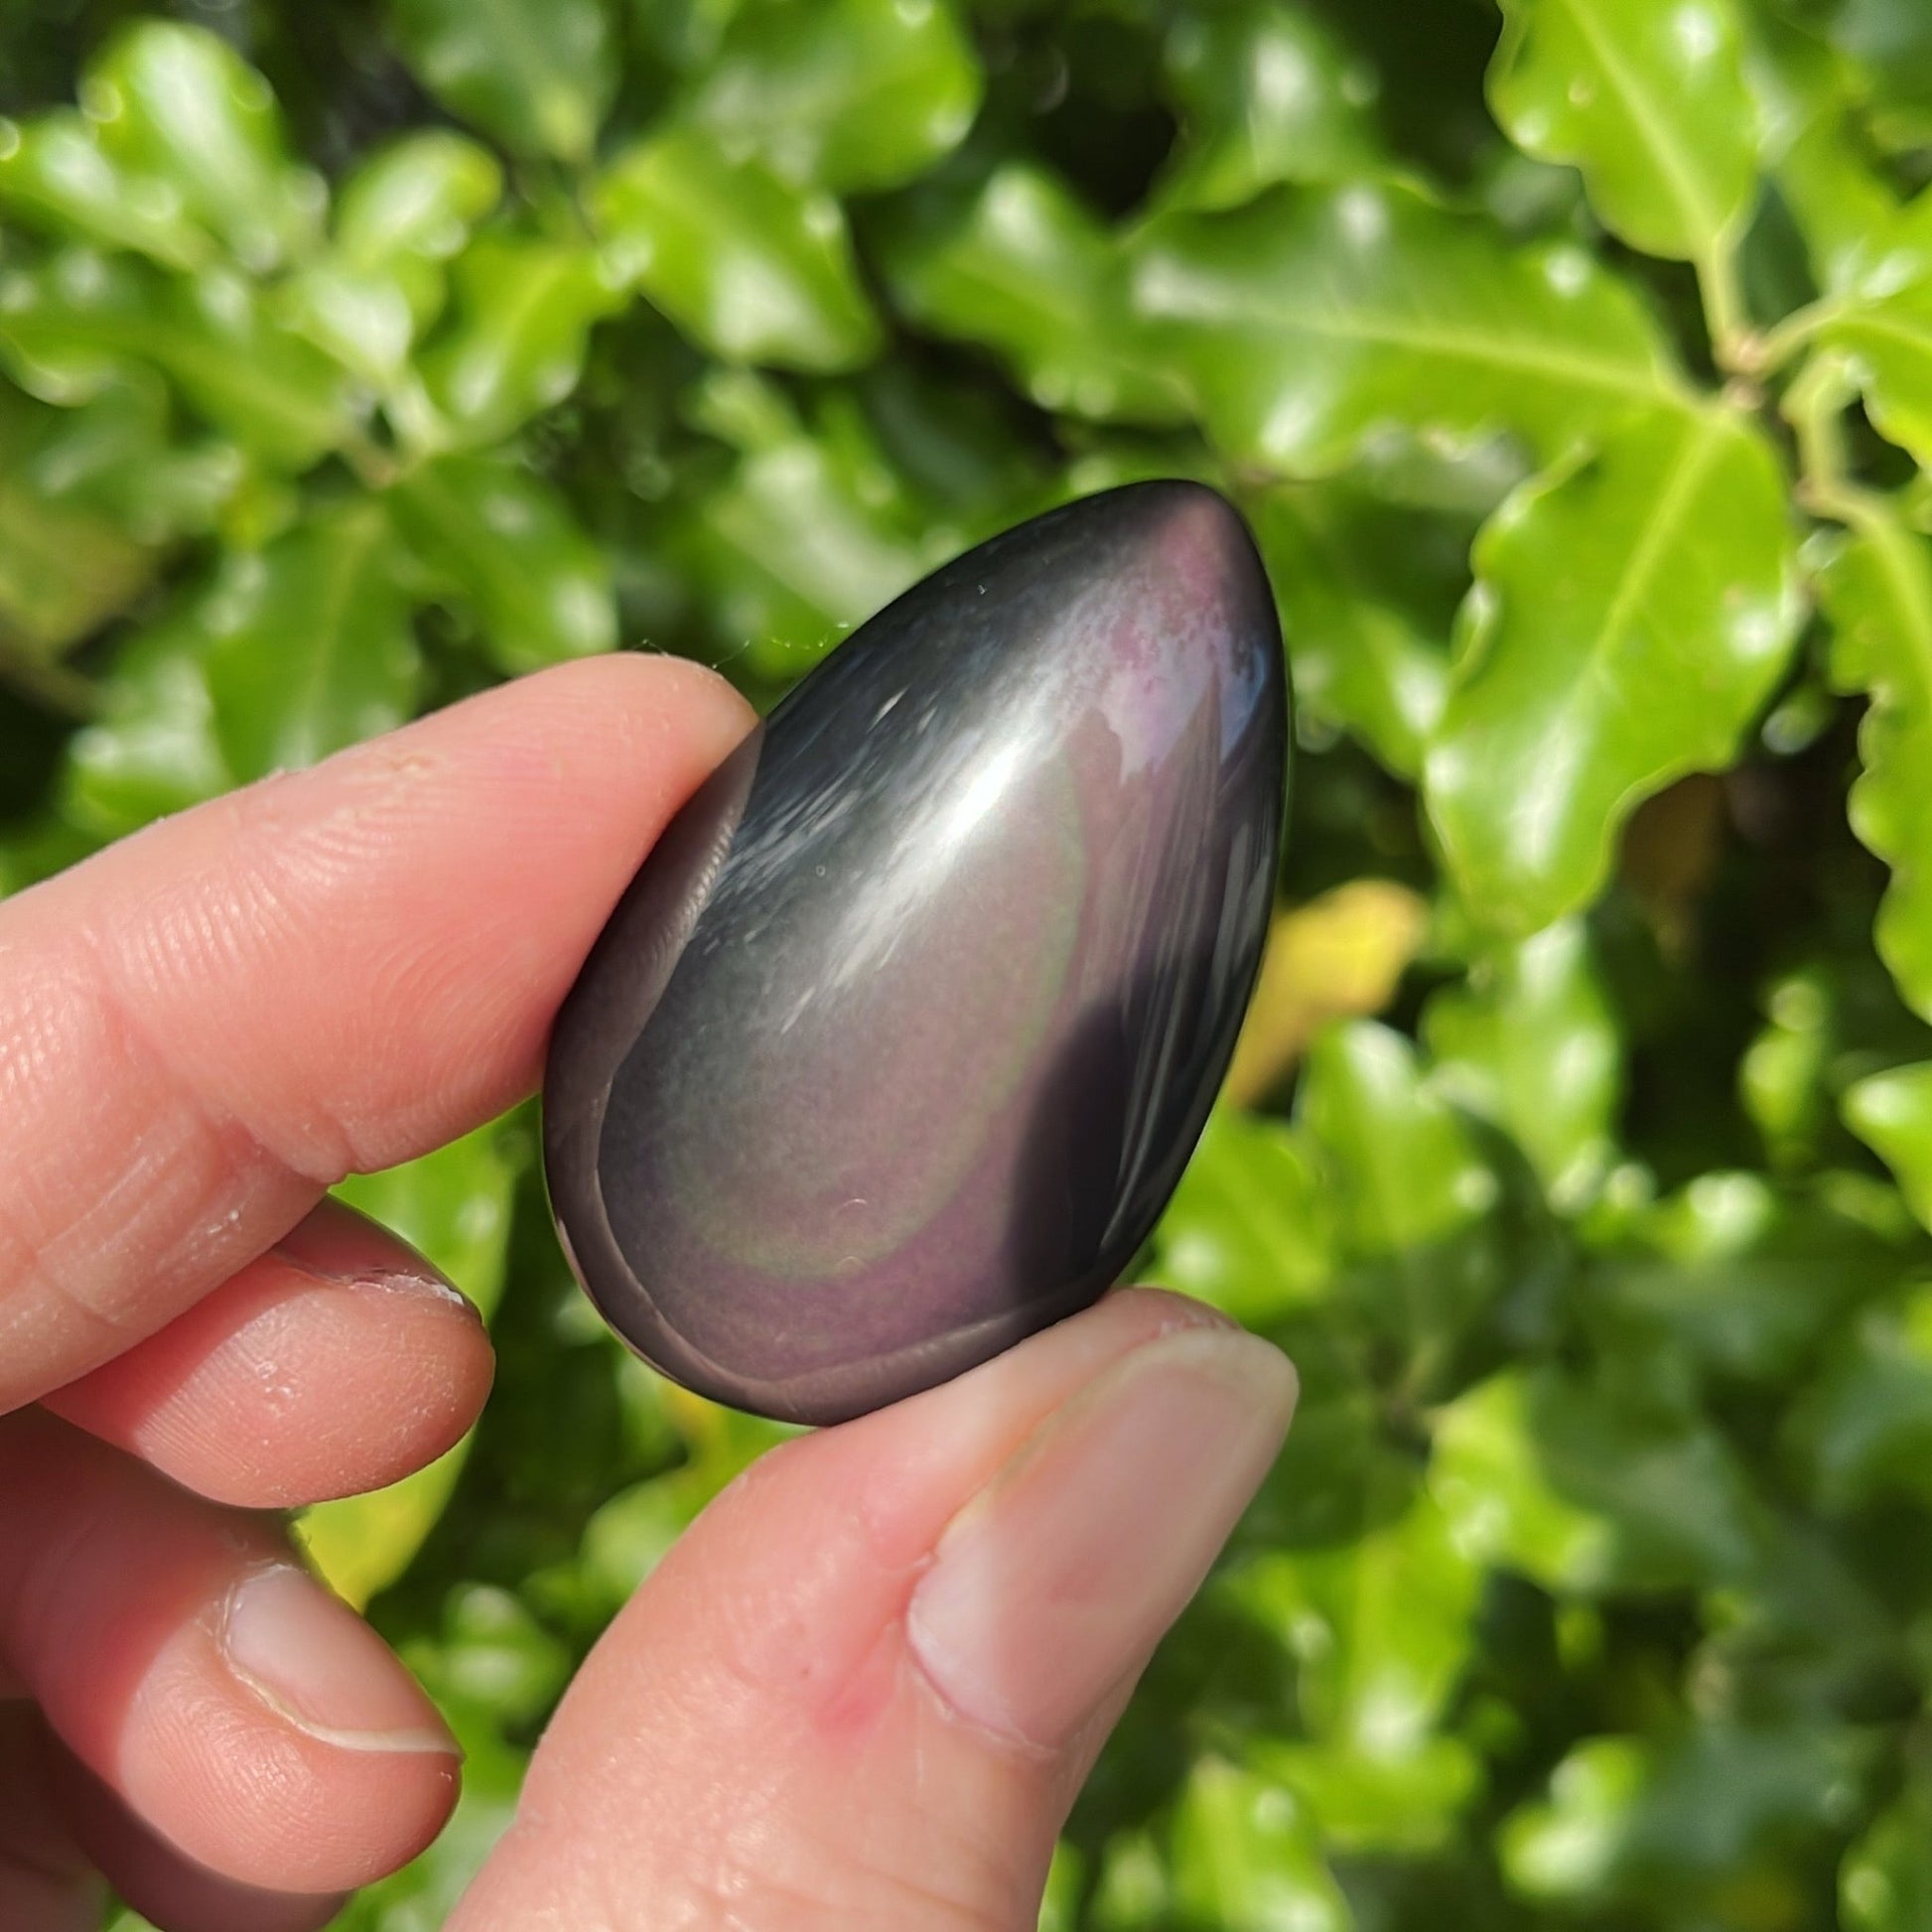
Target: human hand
(863,1689)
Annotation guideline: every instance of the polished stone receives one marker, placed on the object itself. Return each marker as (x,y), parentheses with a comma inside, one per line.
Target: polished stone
(895,1049)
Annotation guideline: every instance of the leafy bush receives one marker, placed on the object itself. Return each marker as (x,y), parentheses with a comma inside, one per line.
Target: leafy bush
(1574,366)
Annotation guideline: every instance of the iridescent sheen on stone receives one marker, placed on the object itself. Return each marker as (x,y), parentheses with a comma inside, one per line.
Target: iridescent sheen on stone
(894,1049)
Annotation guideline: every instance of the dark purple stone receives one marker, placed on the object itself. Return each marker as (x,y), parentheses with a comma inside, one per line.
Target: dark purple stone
(894,1049)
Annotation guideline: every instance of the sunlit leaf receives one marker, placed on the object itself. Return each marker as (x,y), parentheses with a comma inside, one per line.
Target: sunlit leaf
(1893,1113)
(1648,98)
(506,546)
(1025,270)
(841,94)
(757,270)
(179,107)
(1531,1043)
(1632,612)
(1876,591)
(311,643)
(55,173)
(537,74)
(73,327)
(1405,1171)
(1250,1227)
(1367,595)
(1312,321)
(1266,94)
(515,342)
(1246,1853)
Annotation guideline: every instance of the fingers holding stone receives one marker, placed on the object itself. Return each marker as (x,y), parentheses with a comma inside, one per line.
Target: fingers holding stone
(337,1362)
(239,1709)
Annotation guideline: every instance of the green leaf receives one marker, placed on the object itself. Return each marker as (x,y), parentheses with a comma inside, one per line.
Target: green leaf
(1885,1882)
(1863,1428)
(402,215)
(1875,587)
(178,105)
(55,173)
(1633,610)
(1531,1043)
(1246,1853)
(1886,343)
(454,1206)
(65,567)
(811,532)
(754,269)
(1648,98)
(1382,1632)
(154,750)
(1569,1845)
(1584,1488)
(1249,1227)
(515,344)
(1404,1171)
(311,645)
(1891,1113)
(1265,96)
(416,199)
(1367,595)
(1023,269)
(1314,324)
(71,326)
(846,95)
(506,544)
(537,74)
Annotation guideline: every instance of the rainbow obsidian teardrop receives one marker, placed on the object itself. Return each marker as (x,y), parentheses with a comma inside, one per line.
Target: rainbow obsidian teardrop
(896,1046)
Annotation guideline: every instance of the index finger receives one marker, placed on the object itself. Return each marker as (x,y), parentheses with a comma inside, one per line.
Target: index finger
(207,1025)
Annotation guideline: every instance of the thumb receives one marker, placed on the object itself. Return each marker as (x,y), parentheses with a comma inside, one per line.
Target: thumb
(864,1687)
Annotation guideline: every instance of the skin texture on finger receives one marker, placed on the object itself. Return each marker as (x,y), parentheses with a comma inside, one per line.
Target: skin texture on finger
(763,1738)
(337,1362)
(46,1882)
(172,1892)
(327,972)
(248,1716)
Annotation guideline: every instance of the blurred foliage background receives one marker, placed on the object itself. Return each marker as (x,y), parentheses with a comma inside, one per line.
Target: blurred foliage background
(1574,363)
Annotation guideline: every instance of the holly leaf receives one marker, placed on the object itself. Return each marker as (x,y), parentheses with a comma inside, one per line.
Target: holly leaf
(1531,1043)
(537,74)
(1311,323)
(845,95)
(1648,98)
(454,1207)
(177,105)
(1404,1171)
(1891,1112)
(1024,269)
(505,545)
(55,173)
(311,643)
(1887,341)
(401,215)
(1250,1226)
(514,345)
(1875,587)
(1264,94)
(1245,1853)
(154,750)
(1367,594)
(754,269)
(71,326)
(1633,610)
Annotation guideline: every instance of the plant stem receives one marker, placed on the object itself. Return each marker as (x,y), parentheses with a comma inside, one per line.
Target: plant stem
(1723,306)
(1778,345)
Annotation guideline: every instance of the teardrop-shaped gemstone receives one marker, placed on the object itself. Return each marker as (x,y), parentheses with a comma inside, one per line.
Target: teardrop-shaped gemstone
(897,1046)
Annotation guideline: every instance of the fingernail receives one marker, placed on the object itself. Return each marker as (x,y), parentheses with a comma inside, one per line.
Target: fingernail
(336,1244)
(312,1660)
(1063,1573)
